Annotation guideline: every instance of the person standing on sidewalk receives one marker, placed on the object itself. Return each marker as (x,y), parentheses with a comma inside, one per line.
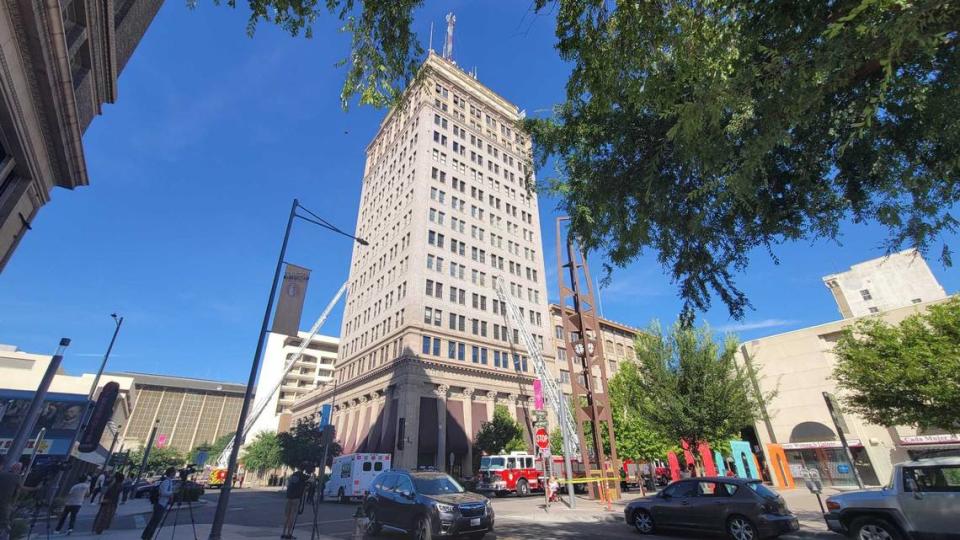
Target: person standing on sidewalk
(98,487)
(72,503)
(160,503)
(108,504)
(296,485)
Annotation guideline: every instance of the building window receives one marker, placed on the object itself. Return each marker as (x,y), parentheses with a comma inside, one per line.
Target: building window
(865,293)
(426,344)
(874,310)
(916,300)
(564,376)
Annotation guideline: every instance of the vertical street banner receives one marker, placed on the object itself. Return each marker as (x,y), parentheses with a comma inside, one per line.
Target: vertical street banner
(325,410)
(538,394)
(290,304)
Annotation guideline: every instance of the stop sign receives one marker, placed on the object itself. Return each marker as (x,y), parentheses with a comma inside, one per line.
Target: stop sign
(542,438)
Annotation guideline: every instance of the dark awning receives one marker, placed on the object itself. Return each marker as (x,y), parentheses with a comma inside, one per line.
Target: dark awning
(456,430)
(428,425)
(478,417)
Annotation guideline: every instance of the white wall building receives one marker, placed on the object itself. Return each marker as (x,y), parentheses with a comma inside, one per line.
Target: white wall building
(314,369)
(883,284)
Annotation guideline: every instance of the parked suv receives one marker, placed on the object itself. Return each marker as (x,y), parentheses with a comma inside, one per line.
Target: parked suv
(425,504)
(922,500)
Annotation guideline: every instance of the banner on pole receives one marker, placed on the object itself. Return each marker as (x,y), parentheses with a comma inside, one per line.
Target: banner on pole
(538,394)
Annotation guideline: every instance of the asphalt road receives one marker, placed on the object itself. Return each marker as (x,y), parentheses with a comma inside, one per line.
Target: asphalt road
(263,510)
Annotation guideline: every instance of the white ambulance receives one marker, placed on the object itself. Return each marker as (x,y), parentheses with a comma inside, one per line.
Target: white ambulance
(352,474)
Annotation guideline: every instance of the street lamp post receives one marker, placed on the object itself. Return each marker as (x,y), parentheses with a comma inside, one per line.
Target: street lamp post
(218,518)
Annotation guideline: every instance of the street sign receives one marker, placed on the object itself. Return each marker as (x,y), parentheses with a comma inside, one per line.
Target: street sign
(542,438)
(202,458)
(540,419)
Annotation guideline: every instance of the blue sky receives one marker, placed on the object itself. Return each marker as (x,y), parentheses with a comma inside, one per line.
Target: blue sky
(194,168)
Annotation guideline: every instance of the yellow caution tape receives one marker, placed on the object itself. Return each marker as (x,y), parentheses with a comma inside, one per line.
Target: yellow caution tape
(588,480)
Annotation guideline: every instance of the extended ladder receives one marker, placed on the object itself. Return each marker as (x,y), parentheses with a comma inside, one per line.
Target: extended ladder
(261,403)
(551,389)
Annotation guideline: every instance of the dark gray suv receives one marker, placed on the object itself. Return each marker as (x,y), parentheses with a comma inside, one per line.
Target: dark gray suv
(743,509)
(425,504)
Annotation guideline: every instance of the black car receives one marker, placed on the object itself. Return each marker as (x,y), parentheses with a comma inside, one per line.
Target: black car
(743,509)
(426,504)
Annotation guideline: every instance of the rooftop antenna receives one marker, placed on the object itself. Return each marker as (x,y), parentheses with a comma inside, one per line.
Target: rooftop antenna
(431,37)
(448,42)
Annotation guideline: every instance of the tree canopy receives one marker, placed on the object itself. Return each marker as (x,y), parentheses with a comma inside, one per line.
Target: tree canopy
(637,437)
(213,449)
(693,390)
(263,453)
(704,130)
(904,374)
(304,444)
(159,459)
(502,434)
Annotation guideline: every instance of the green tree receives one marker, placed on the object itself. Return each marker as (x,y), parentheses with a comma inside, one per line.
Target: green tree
(213,449)
(692,388)
(263,453)
(304,444)
(905,374)
(502,434)
(636,437)
(159,459)
(556,442)
(704,130)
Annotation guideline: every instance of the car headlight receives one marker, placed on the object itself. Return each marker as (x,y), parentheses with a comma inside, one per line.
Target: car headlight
(445,508)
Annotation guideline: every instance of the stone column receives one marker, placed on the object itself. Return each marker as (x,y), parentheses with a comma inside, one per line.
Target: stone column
(511,403)
(441,392)
(408,408)
(468,427)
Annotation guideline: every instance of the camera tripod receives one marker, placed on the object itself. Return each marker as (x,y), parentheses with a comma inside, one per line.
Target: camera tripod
(177,499)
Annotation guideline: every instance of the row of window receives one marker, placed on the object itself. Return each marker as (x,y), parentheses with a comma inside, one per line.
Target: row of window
(457,350)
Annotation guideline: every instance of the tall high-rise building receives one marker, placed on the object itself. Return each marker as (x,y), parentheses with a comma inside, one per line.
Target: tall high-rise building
(60,64)
(427,349)
(885,283)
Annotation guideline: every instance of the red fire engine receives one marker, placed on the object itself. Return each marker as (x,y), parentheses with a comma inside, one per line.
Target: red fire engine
(517,472)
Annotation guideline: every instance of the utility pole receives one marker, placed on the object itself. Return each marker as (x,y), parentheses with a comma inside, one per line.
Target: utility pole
(15,451)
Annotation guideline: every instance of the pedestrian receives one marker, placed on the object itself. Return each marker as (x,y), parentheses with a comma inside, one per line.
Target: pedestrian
(72,503)
(296,485)
(554,489)
(108,504)
(242,476)
(160,499)
(98,487)
(127,486)
(691,470)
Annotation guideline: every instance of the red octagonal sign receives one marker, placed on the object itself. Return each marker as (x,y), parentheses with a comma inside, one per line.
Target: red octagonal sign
(542,438)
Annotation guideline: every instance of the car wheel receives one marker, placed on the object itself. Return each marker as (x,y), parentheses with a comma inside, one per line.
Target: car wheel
(741,528)
(340,496)
(423,530)
(522,488)
(643,522)
(872,528)
(373,526)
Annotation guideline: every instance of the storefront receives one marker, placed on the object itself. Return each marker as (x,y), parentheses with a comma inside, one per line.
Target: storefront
(930,446)
(829,459)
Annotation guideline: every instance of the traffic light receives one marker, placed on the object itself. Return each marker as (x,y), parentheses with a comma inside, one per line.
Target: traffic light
(102,412)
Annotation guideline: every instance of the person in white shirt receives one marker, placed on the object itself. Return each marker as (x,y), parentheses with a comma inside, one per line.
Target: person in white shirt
(98,487)
(73,502)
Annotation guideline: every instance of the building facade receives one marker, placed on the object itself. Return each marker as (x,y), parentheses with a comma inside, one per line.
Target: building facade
(427,349)
(313,370)
(618,346)
(884,283)
(798,366)
(191,411)
(59,63)
(21,373)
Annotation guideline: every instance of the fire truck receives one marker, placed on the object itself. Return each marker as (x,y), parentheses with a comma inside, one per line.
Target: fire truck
(517,472)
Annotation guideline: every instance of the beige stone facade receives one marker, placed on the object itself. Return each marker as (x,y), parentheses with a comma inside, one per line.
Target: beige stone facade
(59,63)
(618,346)
(798,365)
(427,347)
(885,283)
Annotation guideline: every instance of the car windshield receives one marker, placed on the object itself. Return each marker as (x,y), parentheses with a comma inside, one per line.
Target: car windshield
(438,485)
(488,463)
(763,490)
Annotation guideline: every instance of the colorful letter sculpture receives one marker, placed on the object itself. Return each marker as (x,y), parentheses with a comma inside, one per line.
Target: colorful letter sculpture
(721,466)
(674,466)
(780,466)
(743,460)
